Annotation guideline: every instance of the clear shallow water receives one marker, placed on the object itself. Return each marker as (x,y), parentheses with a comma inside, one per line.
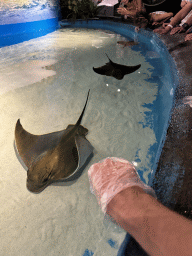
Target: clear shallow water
(44,82)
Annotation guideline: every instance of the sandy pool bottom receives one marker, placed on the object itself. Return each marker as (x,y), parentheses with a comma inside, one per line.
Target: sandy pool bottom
(44,82)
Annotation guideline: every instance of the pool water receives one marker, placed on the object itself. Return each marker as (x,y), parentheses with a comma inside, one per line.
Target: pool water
(44,82)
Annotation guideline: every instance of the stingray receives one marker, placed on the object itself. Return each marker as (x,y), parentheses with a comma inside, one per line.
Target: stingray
(55,156)
(115,70)
(127,43)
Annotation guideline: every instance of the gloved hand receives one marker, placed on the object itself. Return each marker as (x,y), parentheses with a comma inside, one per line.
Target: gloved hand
(112,175)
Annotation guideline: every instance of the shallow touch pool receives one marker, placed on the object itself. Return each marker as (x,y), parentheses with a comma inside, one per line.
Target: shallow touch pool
(45,84)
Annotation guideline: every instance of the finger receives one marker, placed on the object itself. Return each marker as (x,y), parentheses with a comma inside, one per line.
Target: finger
(181,30)
(165,25)
(159,31)
(174,31)
(188,37)
(163,31)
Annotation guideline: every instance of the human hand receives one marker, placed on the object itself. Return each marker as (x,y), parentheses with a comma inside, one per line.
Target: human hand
(112,175)
(165,24)
(155,23)
(122,10)
(162,31)
(183,3)
(189,30)
(188,37)
(177,30)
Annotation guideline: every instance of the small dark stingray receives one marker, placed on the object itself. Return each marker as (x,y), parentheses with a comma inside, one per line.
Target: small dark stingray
(55,156)
(115,70)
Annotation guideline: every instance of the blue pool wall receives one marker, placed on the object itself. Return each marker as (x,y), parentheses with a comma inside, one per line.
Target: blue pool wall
(32,19)
(16,33)
(167,78)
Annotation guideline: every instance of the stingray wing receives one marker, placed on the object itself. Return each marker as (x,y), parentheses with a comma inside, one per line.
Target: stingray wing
(76,155)
(84,151)
(73,151)
(127,69)
(116,70)
(106,70)
(120,70)
(30,146)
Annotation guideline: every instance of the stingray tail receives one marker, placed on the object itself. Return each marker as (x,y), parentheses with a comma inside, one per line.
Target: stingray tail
(108,58)
(81,116)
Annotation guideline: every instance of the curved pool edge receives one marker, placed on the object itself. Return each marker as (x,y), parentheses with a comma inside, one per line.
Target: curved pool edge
(173,179)
(167,95)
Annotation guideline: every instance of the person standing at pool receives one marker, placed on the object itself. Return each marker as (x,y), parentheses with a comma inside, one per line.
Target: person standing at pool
(133,205)
(136,12)
(129,8)
(167,27)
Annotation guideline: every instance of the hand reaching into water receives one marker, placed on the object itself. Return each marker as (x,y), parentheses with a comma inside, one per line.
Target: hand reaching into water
(177,30)
(162,31)
(188,37)
(112,175)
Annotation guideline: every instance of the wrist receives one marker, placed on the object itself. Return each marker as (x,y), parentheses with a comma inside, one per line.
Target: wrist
(170,26)
(128,207)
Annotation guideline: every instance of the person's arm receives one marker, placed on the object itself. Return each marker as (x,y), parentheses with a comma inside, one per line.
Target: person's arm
(157,229)
(176,19)
(182,28)
(139,5)
(181,14)
(189,21)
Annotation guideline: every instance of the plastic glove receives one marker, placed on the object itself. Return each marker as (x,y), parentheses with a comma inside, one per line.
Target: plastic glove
(112,175)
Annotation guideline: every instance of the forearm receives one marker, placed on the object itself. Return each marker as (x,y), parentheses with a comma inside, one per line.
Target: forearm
(189,21)
(157,229)
(139,5)
(181,14)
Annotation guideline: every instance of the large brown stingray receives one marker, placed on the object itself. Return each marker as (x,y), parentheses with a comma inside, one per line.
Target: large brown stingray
(52,157)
